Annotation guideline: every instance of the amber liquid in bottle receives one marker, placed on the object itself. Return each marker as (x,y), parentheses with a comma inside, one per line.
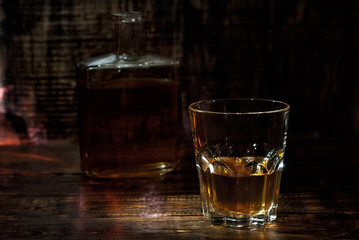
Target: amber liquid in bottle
(128,116)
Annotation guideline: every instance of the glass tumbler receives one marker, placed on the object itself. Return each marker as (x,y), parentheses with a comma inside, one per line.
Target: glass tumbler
(239,147)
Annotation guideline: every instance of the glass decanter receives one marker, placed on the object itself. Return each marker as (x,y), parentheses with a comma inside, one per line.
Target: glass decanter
(129,108)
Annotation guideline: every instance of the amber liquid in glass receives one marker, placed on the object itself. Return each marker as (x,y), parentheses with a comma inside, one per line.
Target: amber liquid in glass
(128,127)
(230,190)
(235,196)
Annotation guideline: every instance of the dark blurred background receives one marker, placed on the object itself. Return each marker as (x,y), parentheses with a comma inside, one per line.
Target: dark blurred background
(302,52)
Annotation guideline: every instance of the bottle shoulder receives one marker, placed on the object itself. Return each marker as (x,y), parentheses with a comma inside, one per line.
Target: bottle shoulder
(114,61)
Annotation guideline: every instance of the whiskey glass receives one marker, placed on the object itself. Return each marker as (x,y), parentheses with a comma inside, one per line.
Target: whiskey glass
(239,147)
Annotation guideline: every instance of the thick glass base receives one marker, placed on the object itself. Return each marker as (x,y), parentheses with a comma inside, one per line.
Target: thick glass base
(255,221)
(271,214)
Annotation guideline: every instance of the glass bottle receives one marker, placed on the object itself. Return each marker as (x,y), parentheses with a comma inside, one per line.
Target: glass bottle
(129,108)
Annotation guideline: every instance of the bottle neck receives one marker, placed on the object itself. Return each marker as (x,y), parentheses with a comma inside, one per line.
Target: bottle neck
(128,35)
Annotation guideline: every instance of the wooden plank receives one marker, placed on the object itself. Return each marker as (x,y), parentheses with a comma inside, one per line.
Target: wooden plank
(70,206)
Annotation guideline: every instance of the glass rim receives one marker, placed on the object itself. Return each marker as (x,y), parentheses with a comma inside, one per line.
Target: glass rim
(285,107)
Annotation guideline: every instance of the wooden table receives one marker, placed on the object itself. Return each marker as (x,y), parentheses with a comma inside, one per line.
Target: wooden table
(319,199)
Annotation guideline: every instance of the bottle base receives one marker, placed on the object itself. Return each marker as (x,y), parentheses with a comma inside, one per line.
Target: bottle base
(143,171)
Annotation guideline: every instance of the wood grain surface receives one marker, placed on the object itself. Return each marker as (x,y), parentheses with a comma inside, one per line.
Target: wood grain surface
(317,200)
(69,206)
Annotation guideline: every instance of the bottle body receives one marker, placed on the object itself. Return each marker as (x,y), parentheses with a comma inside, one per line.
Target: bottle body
(129,116)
